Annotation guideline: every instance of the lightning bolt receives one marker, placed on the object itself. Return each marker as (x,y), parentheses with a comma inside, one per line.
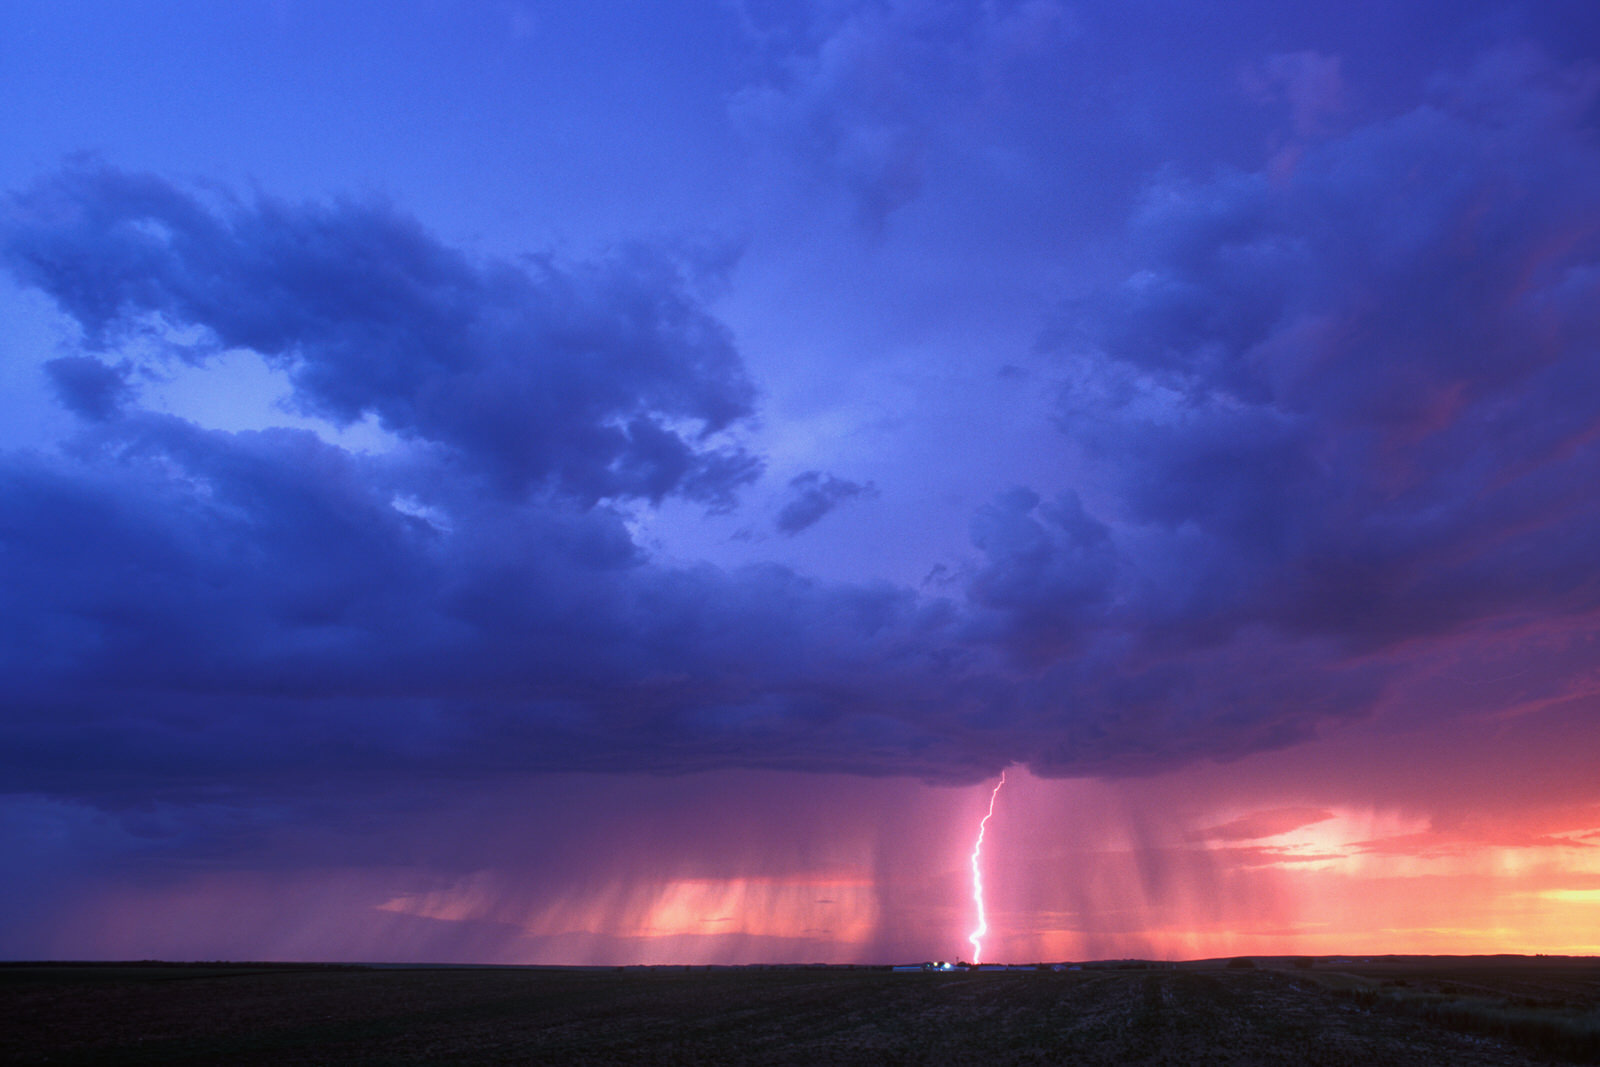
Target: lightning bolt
(976,937)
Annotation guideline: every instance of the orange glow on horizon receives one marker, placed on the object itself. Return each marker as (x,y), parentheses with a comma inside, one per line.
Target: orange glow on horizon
(839,908)
(1287,880)
(1167,867)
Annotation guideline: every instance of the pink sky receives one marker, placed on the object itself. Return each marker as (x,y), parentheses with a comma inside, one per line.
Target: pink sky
(1349,844)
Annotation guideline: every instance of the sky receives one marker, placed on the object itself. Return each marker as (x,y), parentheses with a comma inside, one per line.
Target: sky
(525,482)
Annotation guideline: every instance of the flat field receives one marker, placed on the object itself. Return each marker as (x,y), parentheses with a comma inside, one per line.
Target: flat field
(1439,1010)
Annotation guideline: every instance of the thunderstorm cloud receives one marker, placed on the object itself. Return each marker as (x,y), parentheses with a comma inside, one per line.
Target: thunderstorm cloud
(1330,413)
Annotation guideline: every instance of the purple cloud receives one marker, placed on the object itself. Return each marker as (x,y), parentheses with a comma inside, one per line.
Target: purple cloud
(602,379)
(1336,416)
(1330,416)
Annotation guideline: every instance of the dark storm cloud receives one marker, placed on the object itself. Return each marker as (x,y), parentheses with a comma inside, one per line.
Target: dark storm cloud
(188,610)
(1340,408)
(1048,570)
(185,608)
(601,379)
(812,495)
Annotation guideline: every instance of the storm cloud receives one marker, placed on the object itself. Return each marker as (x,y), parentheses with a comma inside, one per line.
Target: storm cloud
(470,599)
(1362,390)
(1338,409)
(600,379)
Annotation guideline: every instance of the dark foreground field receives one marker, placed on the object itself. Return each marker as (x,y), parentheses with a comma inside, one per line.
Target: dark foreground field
(1440,1011)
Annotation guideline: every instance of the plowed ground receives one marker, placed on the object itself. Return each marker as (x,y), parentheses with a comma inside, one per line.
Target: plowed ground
(95,1015)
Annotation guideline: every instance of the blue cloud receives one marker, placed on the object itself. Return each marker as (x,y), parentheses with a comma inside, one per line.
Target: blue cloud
(601,379)
(1356,398)
(812,495)
(1333,412)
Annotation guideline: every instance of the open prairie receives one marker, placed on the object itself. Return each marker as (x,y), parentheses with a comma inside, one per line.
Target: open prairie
(1502,1011)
